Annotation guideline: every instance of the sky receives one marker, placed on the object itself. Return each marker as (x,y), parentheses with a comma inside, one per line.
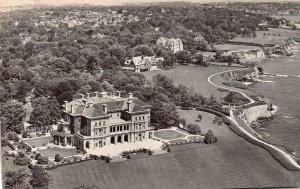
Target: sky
(4,3)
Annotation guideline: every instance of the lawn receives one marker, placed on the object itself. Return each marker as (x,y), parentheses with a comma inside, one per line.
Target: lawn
(38,142)
(195,76)
(230,163)
(269,37)
(168,134)
(191,116)
(51,152)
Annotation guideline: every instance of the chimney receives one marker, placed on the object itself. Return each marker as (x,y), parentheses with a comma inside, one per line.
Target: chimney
(90,104)
(97,93)
(105,108)
(130,96)
(72,109)
(118,93)
(129,105)
(66,103)
(88,95)
(103,94)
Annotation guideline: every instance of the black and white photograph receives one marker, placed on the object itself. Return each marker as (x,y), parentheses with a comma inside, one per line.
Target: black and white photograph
(149,94)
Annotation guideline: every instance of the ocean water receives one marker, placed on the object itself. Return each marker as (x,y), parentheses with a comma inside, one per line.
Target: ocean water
(284,91)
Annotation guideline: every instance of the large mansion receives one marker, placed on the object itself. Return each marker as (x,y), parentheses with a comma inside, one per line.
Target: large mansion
(97,120)
(173,44)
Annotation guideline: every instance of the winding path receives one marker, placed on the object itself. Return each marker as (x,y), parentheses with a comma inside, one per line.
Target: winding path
(291,160)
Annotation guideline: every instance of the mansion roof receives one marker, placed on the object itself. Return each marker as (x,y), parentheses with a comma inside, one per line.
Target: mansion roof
(101,106)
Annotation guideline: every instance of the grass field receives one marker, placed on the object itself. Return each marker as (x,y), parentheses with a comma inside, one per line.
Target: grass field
(62,152)
(168,134)
(191,116)
(232,162)
(195,76)
(38,142)
(269,39)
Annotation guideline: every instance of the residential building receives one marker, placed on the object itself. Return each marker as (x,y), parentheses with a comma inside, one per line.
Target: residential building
(142,63)
(97,120)
(173,44)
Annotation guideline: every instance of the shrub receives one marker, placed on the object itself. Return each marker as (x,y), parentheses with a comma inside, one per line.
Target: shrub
(22,145)
(16,139)
(24,135)
(42,160)
(200,117)
(107,160)
(57,158)
(150,152)
(3,142)
(128,156)
(194,129)
(168,150)
(11,135)
(37,156)
(21,159)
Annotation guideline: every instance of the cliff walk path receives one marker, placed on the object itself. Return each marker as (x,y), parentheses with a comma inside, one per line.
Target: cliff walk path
(232,118)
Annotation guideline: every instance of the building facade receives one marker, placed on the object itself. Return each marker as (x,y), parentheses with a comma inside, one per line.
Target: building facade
(97,120)
(173,44)
(142,63)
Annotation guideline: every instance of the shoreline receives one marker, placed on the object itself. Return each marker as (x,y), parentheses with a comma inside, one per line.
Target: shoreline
(284,157)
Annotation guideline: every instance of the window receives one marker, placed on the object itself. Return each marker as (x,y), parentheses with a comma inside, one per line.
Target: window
(96,133)
(96,144)
(118,128)
(95,124)
(121,128)
(139,117)
(114,129)
(99,123)
(135,118)
(103,122)
(111,130)
(143,117)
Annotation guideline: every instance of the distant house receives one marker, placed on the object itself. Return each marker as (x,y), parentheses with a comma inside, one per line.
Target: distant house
(174,44)
(243,52)
(142,63)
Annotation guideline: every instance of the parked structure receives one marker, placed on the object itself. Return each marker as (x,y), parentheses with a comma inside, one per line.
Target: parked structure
(97,120)
(142,63)
(173,44)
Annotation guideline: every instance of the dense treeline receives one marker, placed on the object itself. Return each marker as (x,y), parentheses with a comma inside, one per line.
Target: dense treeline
(43,56)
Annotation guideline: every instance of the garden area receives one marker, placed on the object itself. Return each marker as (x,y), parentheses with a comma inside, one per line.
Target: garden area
(51,152)
(168,134)
(38,142)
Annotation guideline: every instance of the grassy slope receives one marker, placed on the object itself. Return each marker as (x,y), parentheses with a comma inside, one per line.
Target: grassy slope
(232,162)
(195,76)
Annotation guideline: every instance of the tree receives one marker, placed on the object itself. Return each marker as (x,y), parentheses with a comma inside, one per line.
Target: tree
(16,179)
(209,137)
(57,158)
(194,129)
(46,111)
(183,56)
(199,117)
(40,178)
(12,114)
